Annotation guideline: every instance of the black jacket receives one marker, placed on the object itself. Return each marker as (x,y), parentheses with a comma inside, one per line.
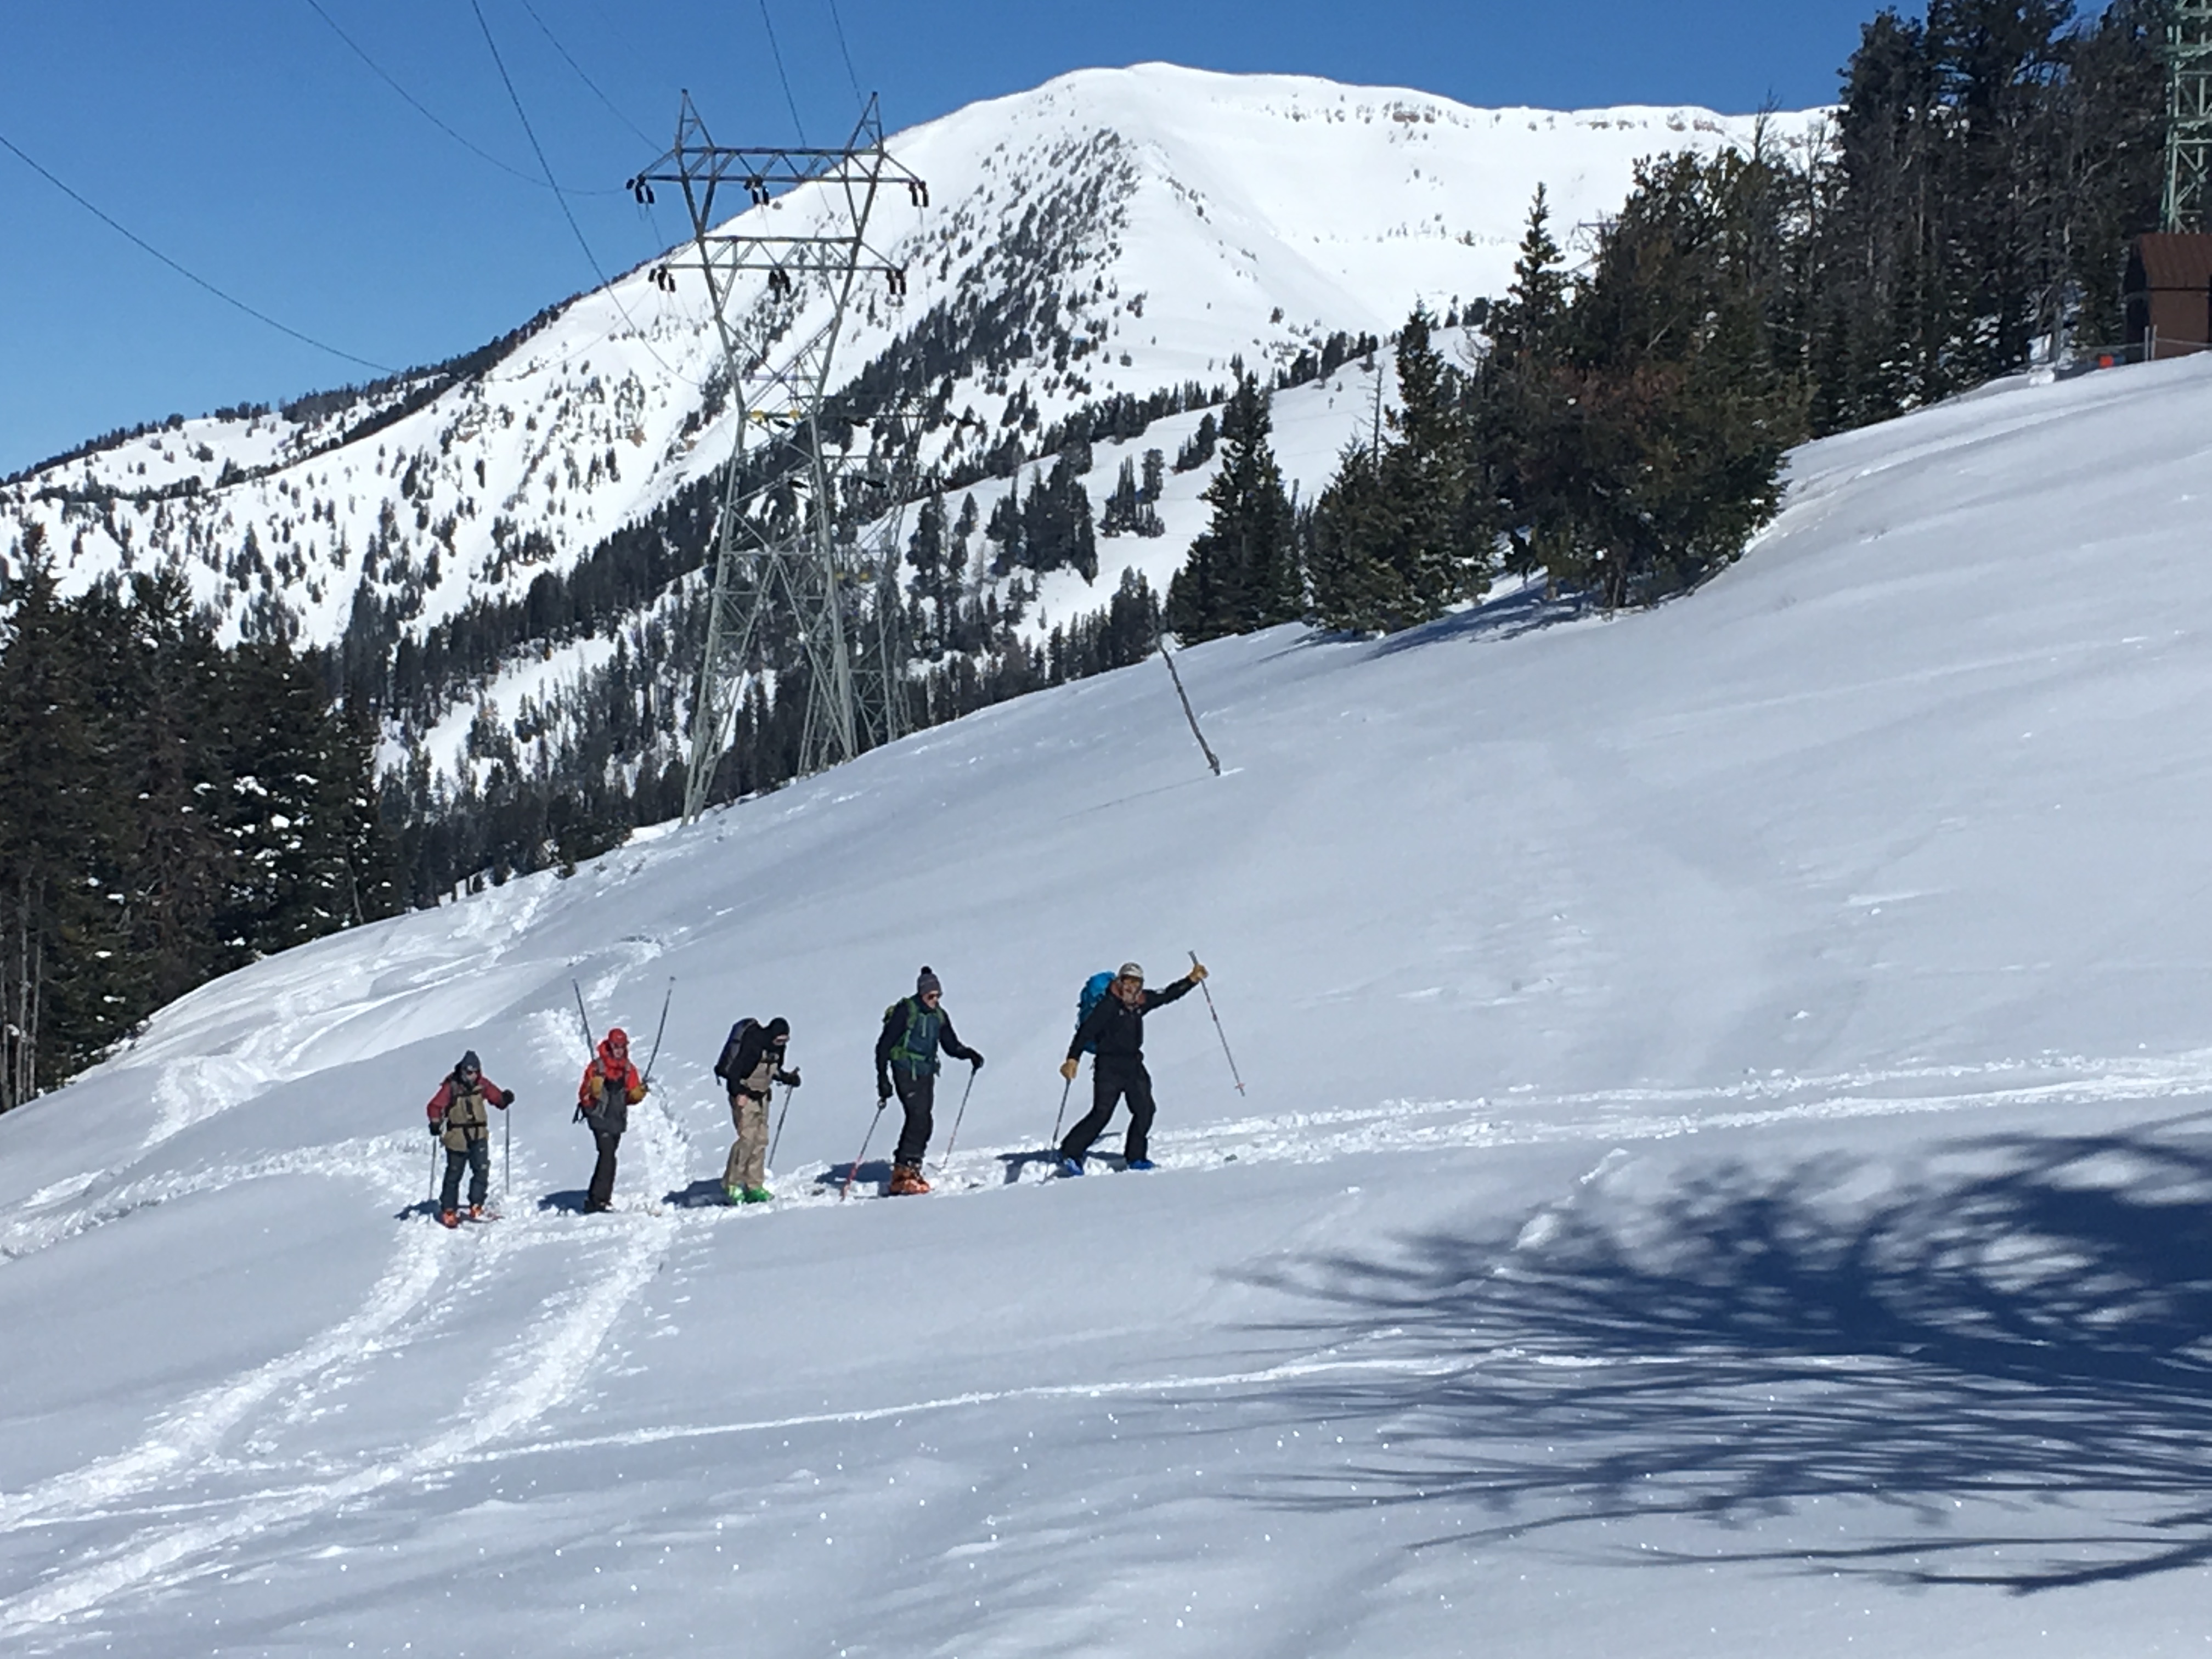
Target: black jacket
(897,1019)
(753,1048)
(1119,1027)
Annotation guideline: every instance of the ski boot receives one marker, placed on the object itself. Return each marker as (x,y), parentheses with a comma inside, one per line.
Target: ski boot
(754,1196)
(1071,1166)
(476,1213)
(1141,1163)
(451,1217)
(906,1180)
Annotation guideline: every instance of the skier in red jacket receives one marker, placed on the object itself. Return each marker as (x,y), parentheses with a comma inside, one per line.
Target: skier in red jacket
(458,1120)
(610,1087)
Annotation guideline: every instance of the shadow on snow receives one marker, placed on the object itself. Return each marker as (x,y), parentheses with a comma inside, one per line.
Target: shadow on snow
(2020,1326)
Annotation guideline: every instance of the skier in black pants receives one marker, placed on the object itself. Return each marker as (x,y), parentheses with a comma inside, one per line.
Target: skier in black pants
(914,1029)
(1117,1026)
(458,1120)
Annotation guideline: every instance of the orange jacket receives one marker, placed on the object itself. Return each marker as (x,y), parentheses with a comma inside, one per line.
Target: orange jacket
(607,1068)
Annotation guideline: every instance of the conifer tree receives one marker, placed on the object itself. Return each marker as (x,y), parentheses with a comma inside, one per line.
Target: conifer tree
(1243,572)
(1404,531)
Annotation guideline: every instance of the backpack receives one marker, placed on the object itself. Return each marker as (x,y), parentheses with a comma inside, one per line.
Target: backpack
(912,1061)
(731,1044)
(1094,990)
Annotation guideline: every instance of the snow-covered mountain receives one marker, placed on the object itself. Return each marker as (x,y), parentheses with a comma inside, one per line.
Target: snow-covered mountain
(1114,233)
(1723,1169)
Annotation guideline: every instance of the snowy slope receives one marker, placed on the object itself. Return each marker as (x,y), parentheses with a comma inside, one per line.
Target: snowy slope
(1141,228)
(1723,1168)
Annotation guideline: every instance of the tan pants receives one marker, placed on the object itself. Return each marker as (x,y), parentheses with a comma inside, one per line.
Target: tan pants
(748,1164)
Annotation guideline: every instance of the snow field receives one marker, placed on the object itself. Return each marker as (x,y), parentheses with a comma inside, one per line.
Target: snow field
(1724,1167)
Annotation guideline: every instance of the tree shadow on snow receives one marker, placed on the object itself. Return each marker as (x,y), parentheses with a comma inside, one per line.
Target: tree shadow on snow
(1507,616)
(2023,1328)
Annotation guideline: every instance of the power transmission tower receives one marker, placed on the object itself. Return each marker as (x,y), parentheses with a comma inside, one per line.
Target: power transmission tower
(2188,114)
(778,549)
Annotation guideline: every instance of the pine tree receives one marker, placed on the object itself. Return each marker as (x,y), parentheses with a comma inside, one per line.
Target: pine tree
(927,552)
(1243,572)
(1404,531)
(1119,516)
(62,940)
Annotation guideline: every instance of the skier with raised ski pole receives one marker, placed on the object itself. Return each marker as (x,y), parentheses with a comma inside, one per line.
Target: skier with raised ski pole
(611,1086)
(460,1124)
(914,1029)
(1116,1024)
(752,1064)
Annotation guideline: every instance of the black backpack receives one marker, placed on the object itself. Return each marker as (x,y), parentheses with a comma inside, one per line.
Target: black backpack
(731,1044)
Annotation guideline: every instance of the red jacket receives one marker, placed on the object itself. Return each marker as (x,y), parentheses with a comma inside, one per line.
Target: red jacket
(604,1070)
(442,1101)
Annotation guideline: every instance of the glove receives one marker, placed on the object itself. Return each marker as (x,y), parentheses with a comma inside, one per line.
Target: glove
(1068,1068)
(437,1126)
(976,1057)
(883,1093)
(1197,972)
(508,1102)
(789,1079)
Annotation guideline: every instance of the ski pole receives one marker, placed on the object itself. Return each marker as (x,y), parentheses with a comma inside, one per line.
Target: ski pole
(431,1196)
(952,1138)
(776,1139)
(1064,1090)
(659,1029)
(506,1153)
(864,1140)
(1217,1031)
(591,1043)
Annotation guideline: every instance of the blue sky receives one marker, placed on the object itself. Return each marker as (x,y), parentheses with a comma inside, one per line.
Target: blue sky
(250,143)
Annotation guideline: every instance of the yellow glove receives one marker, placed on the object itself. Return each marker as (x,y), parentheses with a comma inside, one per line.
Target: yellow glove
(1068,1069)
(1197,971)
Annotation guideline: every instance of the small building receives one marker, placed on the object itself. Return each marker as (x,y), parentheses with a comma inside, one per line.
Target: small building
(2169,295)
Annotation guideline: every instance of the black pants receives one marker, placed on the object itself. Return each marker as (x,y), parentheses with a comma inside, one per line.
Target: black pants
(919,1095)
(602,1195)
(1110,1079)
(476,1158)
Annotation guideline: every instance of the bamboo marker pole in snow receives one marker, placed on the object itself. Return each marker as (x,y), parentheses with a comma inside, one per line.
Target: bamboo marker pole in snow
(1176,675)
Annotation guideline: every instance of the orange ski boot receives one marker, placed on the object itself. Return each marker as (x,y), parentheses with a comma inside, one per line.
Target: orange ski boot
(906,1180)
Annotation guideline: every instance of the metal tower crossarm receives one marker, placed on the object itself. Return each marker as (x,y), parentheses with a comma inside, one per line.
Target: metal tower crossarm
(777,551)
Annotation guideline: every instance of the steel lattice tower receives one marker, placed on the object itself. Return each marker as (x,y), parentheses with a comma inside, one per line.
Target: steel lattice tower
(2188,114)
(777,543)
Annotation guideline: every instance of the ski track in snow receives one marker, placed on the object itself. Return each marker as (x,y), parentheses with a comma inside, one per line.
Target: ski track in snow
(545,1364)
(536,1372)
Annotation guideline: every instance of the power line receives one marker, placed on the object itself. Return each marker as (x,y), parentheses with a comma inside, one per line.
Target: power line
(417,105)
(191,277)
(580,74)
(776,51)
(846,52)
(606,286)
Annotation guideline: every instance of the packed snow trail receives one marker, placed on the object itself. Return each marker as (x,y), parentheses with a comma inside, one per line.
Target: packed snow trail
(1696,1059)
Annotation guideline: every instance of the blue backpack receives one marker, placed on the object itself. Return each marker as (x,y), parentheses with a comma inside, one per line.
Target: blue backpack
(1094,989)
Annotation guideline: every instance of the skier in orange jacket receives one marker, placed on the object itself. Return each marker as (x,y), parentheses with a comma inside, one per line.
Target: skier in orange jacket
(610,1087)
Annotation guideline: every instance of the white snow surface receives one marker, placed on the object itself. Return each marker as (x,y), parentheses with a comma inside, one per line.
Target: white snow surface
(1723,1167)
